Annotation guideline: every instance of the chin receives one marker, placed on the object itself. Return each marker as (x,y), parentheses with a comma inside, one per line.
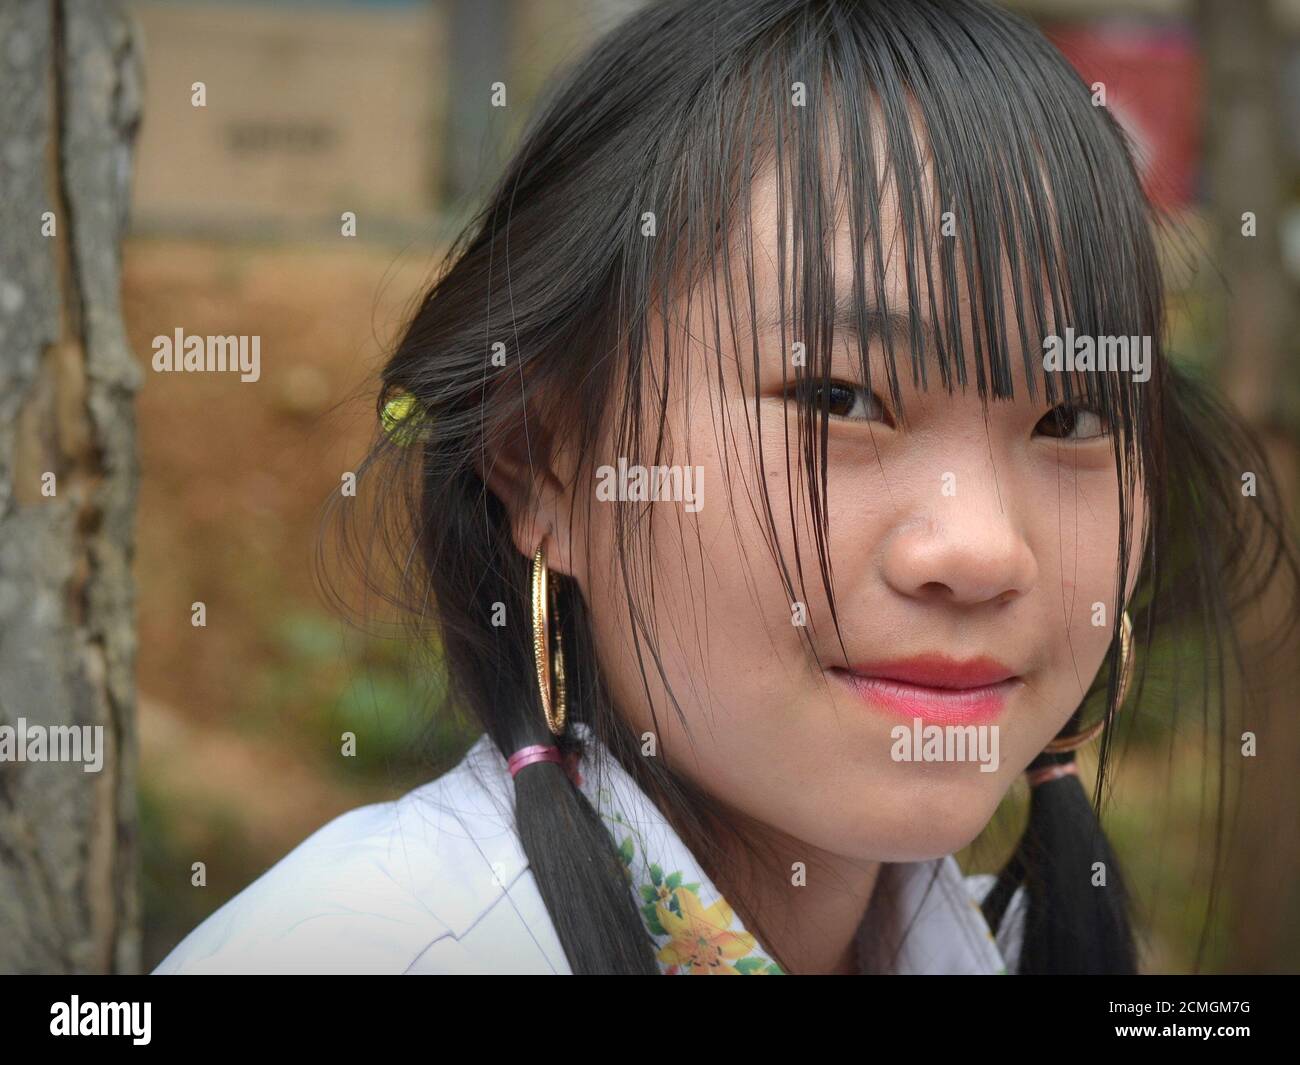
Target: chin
(933,817)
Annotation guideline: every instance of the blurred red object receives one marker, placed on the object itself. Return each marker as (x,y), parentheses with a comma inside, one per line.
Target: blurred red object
(1152,76)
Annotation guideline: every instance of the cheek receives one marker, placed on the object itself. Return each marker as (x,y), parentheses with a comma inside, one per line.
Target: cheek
(719,623)
(861,497)
(1077,542)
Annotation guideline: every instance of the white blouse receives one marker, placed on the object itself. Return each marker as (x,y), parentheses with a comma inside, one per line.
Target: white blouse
(437,882)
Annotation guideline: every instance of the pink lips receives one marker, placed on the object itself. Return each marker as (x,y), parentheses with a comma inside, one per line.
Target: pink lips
(935,688)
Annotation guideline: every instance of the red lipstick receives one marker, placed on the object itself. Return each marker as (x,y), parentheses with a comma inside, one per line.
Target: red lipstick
(934,687)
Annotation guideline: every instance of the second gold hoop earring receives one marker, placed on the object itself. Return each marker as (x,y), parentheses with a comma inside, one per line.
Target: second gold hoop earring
(1070,743)
(548,659)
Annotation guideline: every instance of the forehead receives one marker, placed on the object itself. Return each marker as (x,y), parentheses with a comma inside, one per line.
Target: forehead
(879,273)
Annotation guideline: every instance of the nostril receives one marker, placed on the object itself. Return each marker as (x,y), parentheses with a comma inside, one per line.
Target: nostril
(935,588)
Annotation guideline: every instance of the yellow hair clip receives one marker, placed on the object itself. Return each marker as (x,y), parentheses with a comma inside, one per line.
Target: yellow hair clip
(404,419)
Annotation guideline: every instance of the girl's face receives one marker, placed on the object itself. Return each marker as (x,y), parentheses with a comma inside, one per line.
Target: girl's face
(980,535)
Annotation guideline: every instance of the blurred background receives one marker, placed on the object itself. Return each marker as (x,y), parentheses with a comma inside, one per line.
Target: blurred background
(378,107)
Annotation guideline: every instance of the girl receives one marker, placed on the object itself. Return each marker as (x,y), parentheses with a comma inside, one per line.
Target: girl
(786,461)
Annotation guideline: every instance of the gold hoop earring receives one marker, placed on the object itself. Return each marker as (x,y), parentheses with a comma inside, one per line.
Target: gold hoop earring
(1078,739)
(553,699)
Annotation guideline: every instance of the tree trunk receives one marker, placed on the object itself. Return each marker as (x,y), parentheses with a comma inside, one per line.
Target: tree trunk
(70,86)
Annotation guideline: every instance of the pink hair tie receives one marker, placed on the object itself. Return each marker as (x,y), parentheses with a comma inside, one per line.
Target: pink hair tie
(1050,772)
(545,753)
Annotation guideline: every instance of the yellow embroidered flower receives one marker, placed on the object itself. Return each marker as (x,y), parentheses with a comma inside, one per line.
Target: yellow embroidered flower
(700,940)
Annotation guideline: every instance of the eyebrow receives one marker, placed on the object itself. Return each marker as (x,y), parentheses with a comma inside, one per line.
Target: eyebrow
(875,324)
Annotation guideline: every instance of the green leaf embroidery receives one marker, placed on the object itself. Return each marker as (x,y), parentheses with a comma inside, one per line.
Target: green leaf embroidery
(651,916)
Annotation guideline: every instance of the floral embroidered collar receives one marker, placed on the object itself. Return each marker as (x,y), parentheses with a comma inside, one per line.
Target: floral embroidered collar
(697,932)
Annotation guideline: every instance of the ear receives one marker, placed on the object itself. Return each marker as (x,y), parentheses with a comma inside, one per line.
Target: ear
(534,479)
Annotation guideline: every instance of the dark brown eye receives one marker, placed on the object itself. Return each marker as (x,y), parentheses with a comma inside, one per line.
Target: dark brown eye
(1067,422)
(845,401)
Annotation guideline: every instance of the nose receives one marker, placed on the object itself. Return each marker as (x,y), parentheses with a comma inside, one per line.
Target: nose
(966,550)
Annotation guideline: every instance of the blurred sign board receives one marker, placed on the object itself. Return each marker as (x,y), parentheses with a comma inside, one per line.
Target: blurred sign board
(310,111)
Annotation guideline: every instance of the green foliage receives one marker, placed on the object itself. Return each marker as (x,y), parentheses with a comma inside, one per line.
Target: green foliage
(324,680)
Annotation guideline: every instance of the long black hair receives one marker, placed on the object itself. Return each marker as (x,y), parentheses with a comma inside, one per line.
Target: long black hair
(995,152)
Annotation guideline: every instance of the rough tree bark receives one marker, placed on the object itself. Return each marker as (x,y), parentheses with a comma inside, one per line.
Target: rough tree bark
(70,92)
